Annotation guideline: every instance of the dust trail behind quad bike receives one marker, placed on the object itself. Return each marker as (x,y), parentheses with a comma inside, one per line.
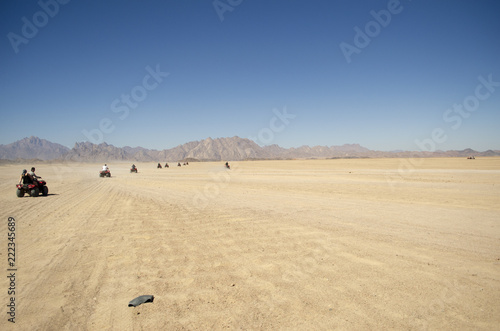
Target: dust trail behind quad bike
(325,244)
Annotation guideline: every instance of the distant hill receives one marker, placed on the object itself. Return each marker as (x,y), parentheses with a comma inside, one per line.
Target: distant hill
(231,149)
(32,148)
(347,150)
(219,149)
(86,151)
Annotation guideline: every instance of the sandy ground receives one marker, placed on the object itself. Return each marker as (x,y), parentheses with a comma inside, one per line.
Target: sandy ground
(325,244)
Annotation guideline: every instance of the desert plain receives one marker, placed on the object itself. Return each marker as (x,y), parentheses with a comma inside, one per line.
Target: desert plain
(347,244)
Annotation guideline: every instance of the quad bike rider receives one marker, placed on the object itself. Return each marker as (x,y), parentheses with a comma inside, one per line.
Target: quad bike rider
(227,165)
(105,171)
(133,168)
(33,175)
(26,178)
(29,183)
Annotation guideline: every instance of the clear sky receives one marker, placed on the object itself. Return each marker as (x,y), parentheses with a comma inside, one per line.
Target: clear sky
(389,75)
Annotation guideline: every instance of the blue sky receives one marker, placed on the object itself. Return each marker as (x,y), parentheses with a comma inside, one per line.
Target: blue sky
(85,70)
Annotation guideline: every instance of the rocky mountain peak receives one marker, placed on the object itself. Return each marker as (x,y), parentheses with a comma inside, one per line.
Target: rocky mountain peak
(209,149)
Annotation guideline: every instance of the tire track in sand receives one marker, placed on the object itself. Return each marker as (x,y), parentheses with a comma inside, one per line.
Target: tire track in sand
(70,264)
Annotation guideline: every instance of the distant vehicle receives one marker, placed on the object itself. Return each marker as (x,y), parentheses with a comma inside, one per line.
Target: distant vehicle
(227,165)
(33,190)
(105,173)
(133,169)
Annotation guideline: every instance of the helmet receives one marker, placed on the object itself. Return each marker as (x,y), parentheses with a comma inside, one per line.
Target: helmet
(33,169)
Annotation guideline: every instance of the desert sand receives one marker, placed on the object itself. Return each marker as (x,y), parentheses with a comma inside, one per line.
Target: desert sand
(302,244)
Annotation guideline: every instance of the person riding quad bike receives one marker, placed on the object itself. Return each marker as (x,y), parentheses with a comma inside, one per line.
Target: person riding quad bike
(26,178)
(33,175)
(29,183)
(105,171)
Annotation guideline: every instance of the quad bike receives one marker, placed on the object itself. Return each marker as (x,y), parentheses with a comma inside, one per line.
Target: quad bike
(104,173)
(33,190)
(133,170)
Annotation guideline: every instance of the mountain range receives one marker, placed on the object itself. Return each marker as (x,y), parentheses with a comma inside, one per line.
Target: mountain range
(227,149)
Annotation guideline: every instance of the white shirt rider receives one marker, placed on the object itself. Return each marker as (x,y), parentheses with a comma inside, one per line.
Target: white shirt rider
(105,167)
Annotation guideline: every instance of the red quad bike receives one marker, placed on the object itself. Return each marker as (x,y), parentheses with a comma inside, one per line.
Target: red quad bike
(133,170)
(104,173)
(33,190)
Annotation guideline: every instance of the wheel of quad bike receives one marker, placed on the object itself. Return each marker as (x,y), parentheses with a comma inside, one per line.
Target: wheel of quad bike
(35,192)
(45,191)
(20,193)
(108,174)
